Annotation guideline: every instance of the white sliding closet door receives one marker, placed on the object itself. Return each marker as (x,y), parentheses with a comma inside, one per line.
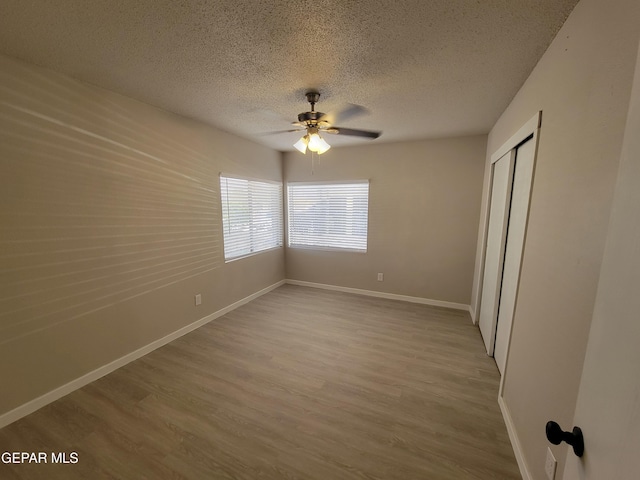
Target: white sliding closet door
(522,177)
(502,180)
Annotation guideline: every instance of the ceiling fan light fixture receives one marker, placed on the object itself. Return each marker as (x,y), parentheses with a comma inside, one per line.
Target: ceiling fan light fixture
(314,122)
(317,144)
(301,145)
(323,146)
(314,142)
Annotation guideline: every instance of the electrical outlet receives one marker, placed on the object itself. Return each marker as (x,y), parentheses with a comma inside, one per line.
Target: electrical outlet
(380,277)
(550,465)
(198,299)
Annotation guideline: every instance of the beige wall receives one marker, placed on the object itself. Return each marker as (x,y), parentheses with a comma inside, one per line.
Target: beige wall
(110,224)
(423,215)
(582,85)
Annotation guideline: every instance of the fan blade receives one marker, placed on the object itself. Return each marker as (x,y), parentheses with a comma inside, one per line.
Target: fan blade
(346,112)
(352,132)
(282,131)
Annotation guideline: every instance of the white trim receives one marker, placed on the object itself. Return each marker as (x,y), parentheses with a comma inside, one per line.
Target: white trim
(515,441)
(517,138)
(49,397)
(390,296)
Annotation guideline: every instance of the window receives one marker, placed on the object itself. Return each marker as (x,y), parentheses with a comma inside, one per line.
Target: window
(328,215)
(251,216)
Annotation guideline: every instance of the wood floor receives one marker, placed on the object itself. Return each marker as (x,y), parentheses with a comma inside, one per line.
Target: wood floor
(299,384)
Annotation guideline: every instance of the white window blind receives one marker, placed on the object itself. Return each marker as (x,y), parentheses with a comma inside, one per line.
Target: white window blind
(251,216)
(328,215)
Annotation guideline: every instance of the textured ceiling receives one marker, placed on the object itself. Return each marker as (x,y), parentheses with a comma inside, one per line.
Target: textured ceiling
(422,68)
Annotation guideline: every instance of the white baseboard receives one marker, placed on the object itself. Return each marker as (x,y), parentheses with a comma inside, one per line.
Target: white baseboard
(515,442)
(49,397)
(391,296)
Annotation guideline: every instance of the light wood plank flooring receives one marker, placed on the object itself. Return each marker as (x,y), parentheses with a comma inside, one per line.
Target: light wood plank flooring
(299,384)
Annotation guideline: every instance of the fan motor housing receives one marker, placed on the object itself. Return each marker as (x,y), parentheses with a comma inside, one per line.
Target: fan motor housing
(310,116)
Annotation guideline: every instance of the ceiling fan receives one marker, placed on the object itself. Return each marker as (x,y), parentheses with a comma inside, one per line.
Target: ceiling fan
(313,123)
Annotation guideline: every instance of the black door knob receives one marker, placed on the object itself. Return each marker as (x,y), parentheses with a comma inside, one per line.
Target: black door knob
(556,435)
